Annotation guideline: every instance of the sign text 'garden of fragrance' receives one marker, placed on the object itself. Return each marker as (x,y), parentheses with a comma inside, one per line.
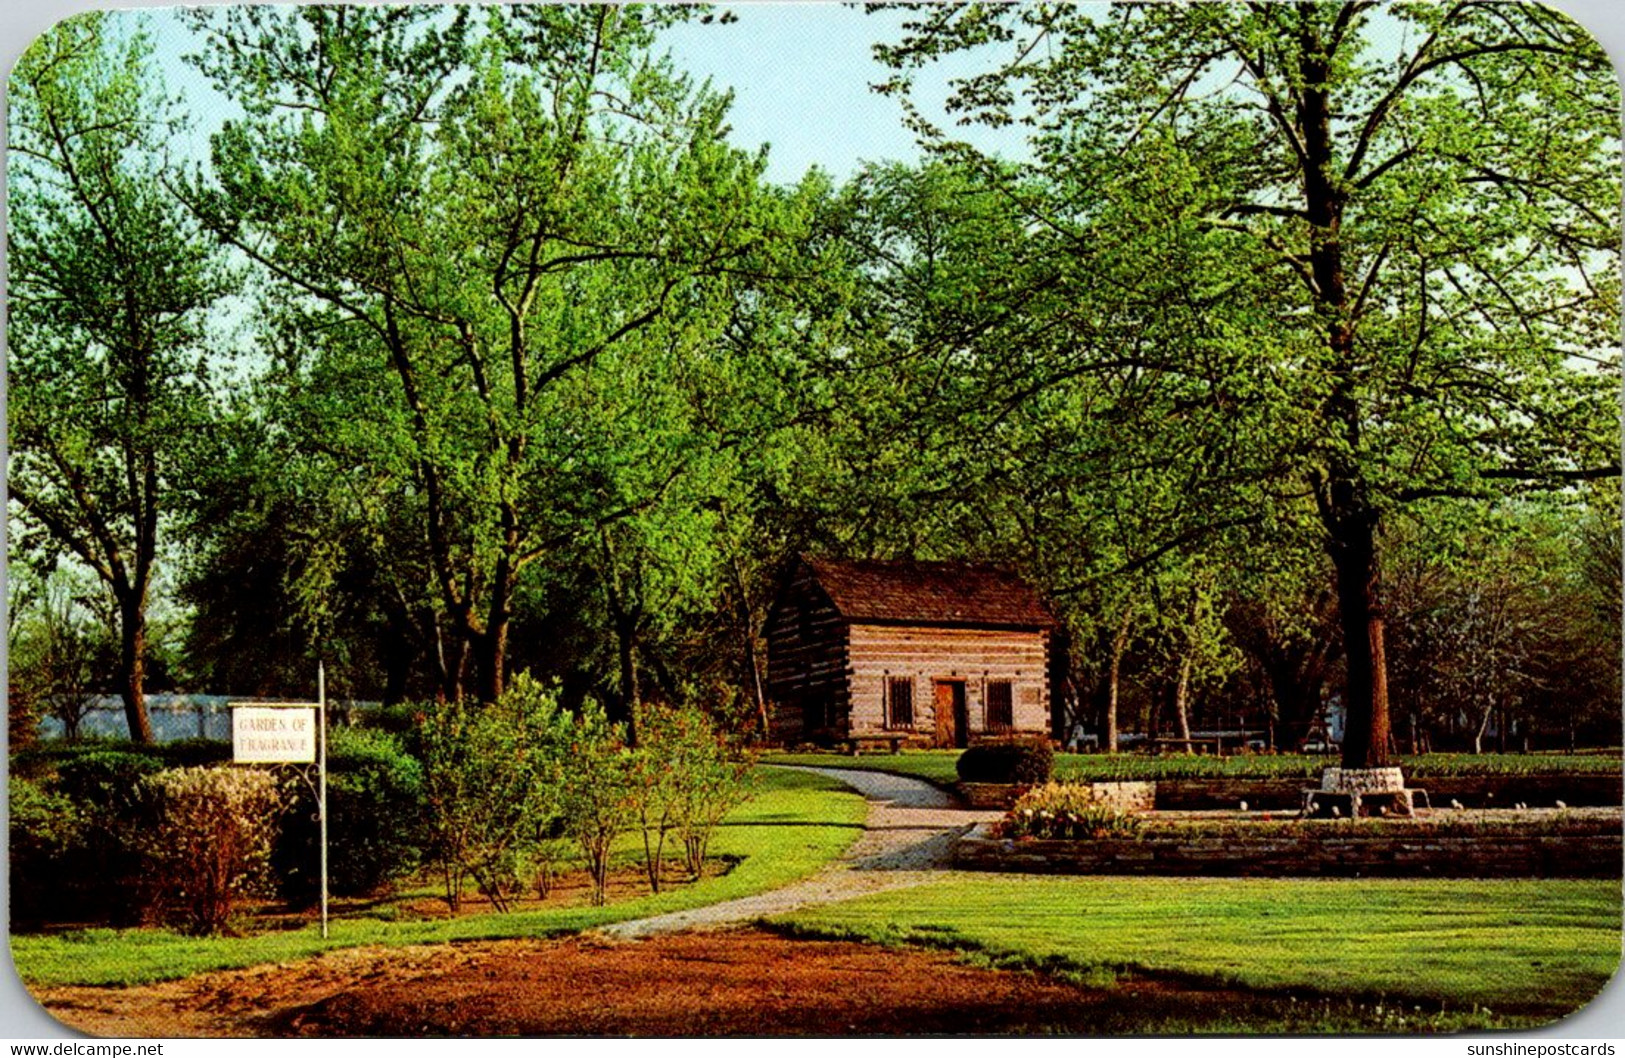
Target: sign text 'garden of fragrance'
(273,735)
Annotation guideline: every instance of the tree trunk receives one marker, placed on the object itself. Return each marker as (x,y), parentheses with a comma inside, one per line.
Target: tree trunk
(1182,701)
(490,645)
(627,650)
(1340,491)
(1483,727)
(133,668)
(625,616)
(1366,728)
(490,650)
(1119,643)
(447,654)
(748,640)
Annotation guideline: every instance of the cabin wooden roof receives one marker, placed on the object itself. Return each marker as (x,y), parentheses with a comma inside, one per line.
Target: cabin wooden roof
(959,594)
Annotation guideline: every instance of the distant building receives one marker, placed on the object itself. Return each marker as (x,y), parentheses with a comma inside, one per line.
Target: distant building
(931,653)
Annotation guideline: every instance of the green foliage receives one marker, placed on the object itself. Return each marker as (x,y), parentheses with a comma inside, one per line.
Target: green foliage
(599,794)
(1066,811)
(107,778)
(375,804)
(105,869)
(58,652)
(505,241)
(190,752)
(796,824)
(45,827)
(1026,763)
(655,782)
(109,280)
(709,777)
(211,842)
(552,380)
(48,759)
(1502,623)
(400,720)
(42,823)
(493,780)
(1287,279)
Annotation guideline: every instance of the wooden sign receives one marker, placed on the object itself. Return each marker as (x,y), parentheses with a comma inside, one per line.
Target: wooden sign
(273,734)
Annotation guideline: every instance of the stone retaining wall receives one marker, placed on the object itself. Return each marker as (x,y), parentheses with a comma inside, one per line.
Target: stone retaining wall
(988,794)
(1588,849)
(1536,791)
(1473,791)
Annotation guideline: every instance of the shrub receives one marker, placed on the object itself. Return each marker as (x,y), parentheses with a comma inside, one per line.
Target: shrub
(44,832)
(491,786)
(375,807)
(653,779)
(50,757)
(1026,763)
(1066,811)
(192,752)
(102,876)
(108,778)
(212,841)
(683,777)
(715,780)
(599,798)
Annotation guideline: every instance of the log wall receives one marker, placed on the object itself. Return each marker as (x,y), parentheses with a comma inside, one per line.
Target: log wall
(925,655)
(806,664)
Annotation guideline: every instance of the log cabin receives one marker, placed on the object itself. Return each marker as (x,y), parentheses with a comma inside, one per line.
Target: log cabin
(907,653)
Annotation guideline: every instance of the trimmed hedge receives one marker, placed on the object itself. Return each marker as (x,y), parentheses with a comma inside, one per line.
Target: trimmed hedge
(45,759)
(100,873)
(375,805)
(1023,763)
(44,828)
(81,810)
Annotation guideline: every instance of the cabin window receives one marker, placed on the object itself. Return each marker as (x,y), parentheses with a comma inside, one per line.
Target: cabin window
(899,702)
(1000,714)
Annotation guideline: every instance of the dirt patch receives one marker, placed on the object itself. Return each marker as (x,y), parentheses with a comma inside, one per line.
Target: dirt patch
(736,983)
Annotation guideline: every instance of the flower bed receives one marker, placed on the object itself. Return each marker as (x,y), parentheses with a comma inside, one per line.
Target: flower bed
(1070,811)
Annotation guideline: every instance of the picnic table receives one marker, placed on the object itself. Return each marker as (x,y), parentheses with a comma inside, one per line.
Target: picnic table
(1213,745)
(854,743)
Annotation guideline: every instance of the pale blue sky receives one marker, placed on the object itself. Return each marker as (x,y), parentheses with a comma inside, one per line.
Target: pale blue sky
(800,72)
(801,75)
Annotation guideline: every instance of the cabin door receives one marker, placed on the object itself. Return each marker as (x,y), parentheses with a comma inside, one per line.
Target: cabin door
(953,718)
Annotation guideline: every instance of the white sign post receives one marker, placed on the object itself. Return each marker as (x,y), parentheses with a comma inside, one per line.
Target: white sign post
(321,772)
(295,733)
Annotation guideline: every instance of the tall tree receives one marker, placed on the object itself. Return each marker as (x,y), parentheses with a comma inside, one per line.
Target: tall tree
(110,278)
(487,219)
(1431,190)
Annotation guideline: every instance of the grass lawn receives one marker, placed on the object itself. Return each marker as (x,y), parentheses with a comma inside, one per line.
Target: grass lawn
(937,765)
(795,824)
(1528,951)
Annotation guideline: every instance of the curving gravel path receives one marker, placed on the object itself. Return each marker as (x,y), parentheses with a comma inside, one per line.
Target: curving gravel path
(908,836)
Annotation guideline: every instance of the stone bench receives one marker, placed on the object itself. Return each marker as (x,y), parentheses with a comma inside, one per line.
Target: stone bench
(1360,791)
(854,743)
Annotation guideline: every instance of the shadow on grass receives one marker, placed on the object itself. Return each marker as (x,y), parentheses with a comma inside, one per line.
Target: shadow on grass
(1126,999)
